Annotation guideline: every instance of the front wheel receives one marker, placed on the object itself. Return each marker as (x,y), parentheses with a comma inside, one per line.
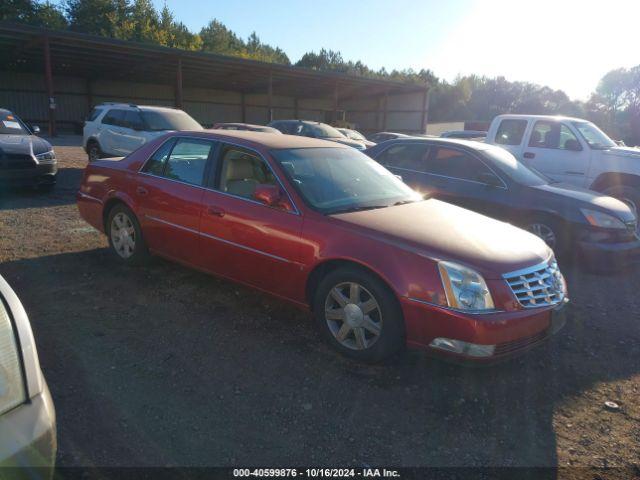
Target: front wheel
(359,315)
(549,230)
(626,194)
(125,236)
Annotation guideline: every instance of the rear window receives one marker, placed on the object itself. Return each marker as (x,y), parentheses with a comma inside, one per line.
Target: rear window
(94,114)
(510,132)
(114,117)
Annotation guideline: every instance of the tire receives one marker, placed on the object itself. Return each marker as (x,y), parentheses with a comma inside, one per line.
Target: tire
(93,151)
(551,231)
(369,334)
(125,236)
(627,194)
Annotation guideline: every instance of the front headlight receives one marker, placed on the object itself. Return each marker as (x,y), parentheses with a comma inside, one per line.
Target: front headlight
(46,156)
(602,220)
(12,389)
(465,288)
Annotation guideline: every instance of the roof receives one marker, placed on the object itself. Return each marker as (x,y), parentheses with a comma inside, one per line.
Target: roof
(90,56)
(268,140)
(446,141)
(541,117)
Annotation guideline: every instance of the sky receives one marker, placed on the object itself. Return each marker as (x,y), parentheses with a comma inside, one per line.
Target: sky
(565,44)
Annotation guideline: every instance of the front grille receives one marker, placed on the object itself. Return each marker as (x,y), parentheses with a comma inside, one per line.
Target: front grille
(520,344)
(16,161)
(537,286)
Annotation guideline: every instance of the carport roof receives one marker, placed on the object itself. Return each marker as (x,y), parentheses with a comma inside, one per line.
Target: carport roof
(90,56)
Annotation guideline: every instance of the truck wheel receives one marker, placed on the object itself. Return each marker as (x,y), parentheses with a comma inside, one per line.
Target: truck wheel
(627,194)
(358,315)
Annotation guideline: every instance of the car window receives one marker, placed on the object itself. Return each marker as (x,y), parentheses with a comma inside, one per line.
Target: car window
(410,156)
(452,163)
(132,119)
(160,120)
(511,131)
(555,135)
(155,164)
(95,113)
(188,160)
(10,124)
(242,172)
(114,117)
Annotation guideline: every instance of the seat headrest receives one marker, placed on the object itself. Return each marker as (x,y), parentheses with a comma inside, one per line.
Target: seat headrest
(240,168)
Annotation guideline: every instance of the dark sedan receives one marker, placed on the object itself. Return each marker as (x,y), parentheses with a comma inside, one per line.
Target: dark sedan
(25,159)
(490,180)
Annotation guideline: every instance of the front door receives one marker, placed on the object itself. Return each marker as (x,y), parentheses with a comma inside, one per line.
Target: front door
(169,193)
(242,238)
(555,150)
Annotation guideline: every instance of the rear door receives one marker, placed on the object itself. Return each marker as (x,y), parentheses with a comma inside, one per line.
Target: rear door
(242,238)
(464,179)
(169,193)
(555,150)
(133,135)
(110,137)
(510,135)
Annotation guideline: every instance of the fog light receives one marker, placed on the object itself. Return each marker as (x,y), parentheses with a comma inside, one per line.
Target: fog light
(463,348)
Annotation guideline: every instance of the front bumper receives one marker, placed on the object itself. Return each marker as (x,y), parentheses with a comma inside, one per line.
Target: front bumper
(608,255)
(512,333)
(28,437)
(42,174)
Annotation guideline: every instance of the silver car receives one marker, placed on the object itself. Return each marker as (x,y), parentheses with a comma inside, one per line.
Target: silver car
(27,415)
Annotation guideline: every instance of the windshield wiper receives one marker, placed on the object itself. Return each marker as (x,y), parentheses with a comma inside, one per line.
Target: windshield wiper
(356,209)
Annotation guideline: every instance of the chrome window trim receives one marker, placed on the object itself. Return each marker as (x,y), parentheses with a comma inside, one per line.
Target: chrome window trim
(473,155)
(209,189)
(213,237)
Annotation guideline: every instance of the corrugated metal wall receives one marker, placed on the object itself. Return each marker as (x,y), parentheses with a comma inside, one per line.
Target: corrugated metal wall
(25,94)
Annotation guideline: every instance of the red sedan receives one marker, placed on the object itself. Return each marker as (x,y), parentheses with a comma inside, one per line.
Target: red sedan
(327,228)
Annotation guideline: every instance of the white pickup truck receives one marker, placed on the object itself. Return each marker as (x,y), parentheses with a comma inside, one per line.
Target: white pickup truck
(573,151)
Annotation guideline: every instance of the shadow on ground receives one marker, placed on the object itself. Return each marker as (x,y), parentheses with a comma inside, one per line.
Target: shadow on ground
(166,366)
(68,181)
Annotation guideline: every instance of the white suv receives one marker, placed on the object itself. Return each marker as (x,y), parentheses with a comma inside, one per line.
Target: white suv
(117,129)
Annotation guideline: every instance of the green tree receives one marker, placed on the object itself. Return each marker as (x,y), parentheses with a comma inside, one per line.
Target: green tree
(217,38)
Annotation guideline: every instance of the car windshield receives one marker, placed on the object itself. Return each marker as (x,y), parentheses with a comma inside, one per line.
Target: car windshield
(11,125)
(324,131)
(596,138)
(169,120)
(514,169)
(334,180)
(353,135)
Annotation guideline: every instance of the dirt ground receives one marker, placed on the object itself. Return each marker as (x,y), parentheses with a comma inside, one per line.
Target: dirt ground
(162,365)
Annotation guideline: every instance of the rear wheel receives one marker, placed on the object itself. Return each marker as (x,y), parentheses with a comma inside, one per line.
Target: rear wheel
(359,315)
(125,236)
(93,151)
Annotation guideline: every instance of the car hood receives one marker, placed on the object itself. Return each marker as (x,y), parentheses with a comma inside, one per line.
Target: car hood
(623,152)
(25,144)
(441,231)
(589,199)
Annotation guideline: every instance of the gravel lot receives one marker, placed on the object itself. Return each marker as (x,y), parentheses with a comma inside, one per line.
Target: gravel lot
(162,365)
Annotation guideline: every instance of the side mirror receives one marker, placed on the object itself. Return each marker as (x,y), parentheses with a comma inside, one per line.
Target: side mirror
(489,179)
(35,129)
(272,196)
(399,177)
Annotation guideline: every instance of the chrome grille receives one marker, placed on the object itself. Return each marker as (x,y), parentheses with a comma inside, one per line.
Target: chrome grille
(537,286)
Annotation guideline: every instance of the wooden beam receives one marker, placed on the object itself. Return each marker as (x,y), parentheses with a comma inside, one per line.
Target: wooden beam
(270,97)
(48,75)
(243,104)
(296,113)
(384,112)
(179,84)
(425,110)
(335,103)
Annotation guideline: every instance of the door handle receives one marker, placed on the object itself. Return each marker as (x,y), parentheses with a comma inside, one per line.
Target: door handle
(142,191)
(215,211)
(529,155)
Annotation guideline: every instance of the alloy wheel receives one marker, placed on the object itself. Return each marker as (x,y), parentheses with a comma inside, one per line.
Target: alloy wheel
(123,235)
(353,315)
(544,232)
